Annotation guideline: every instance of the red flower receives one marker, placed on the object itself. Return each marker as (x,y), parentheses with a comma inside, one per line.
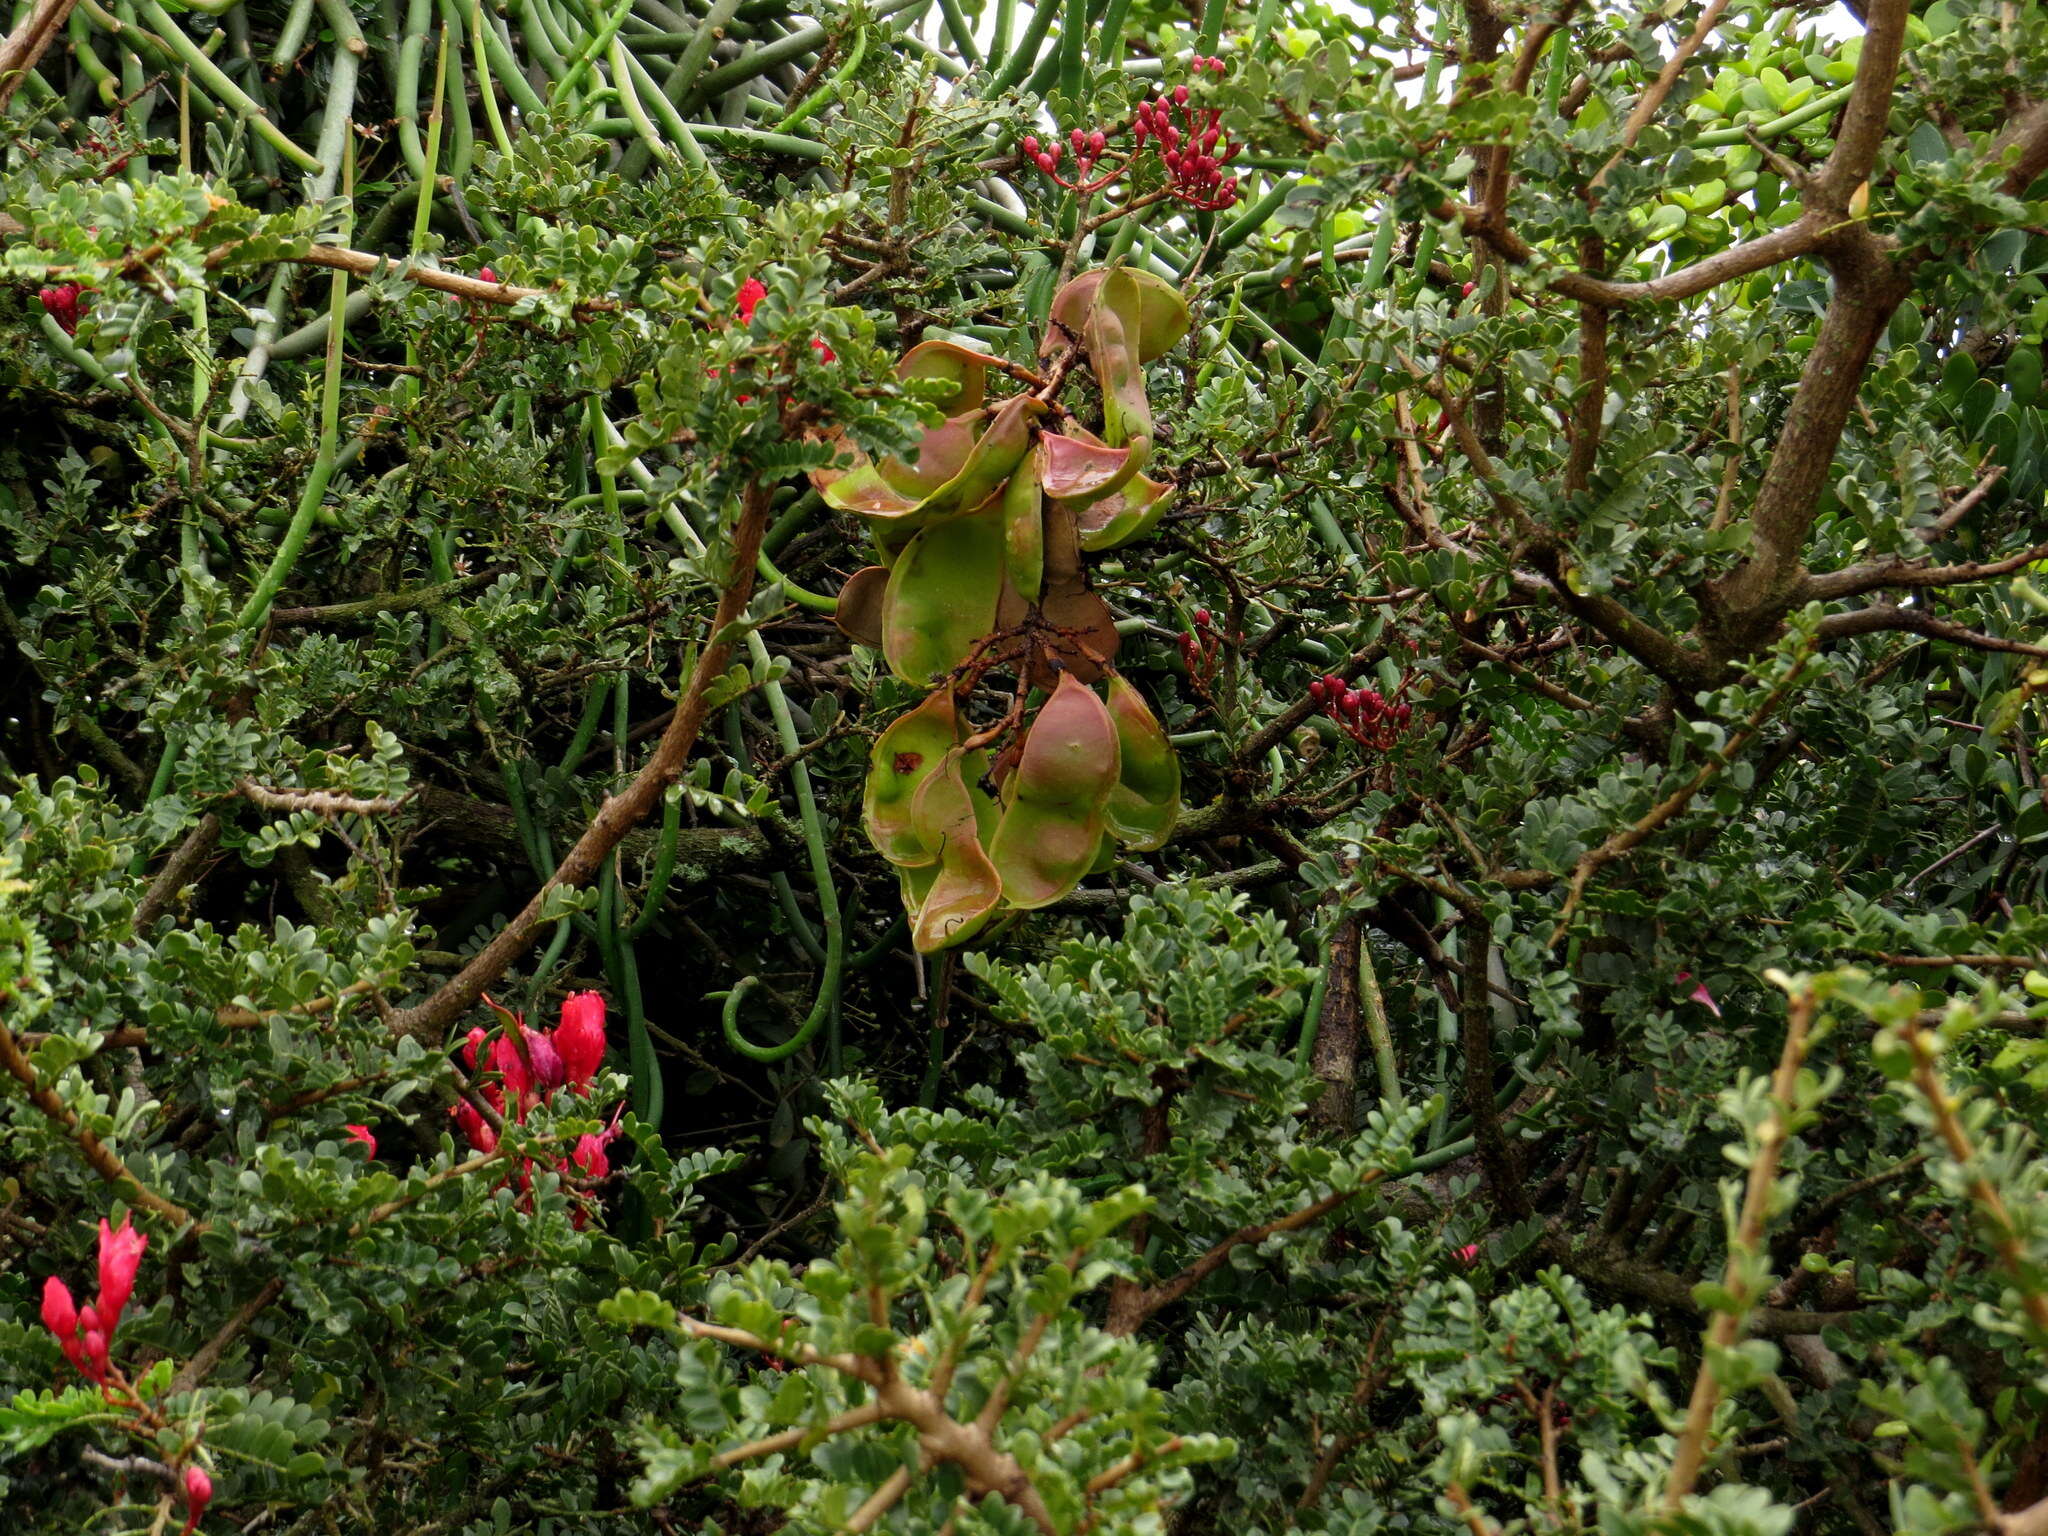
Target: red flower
(510,1065)
(1699,994)
(475,1129)
(590,1156)
(198,1494)
(544,1060)
(1467,1255)
(362,1133)
(477,1036)
(60,1316)
(749,298)
(120,1256)
(579,1038)
(60,1312)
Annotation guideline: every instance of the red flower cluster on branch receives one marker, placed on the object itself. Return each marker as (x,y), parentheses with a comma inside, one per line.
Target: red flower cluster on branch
(1369,718)
(83,1332)
(1189,140)
(60,302)
(525,1067)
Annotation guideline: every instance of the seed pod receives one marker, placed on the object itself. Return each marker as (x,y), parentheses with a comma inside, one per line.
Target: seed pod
(1146,801)
(859,614)
(942,595)
(1052,826)
(1024,534)
(949,814)
(902,758)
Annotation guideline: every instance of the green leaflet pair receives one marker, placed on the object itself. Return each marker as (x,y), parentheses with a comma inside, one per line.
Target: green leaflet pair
(979,540)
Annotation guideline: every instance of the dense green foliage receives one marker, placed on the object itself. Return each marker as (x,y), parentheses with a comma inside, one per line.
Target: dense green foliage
(1577,1058)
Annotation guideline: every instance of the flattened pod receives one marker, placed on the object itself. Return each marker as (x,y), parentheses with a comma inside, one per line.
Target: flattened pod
(1146,801)
(1154,314)
(1024,535)
(967,891)
(1126,414)
(1117,520)
(942,595)
(1053,823)
(903,757)
(963,366)
(859,614)
(1079,468)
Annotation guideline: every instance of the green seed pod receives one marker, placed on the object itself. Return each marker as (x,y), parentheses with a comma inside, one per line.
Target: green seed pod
(1052,825)
(1081,468)
(950,814)
(1146,801)
(942,595)
(903,757)
(1024,536)
(1154,315)
(962,366)
(1126,517)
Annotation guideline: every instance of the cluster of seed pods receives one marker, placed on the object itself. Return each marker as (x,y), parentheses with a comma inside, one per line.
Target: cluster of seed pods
(1189,140)
(983,806)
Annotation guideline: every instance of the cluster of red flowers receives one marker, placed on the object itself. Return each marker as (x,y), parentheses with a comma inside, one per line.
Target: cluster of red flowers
(527,1066)
(60,302)
(1191,146)
(1088,147)
(1367,716)
(1201,651)
(1193,150)
(83,1334)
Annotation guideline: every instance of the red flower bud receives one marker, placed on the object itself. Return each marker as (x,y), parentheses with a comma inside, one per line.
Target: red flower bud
(748,299)
(1317,691)
(1202,617)
(1180,95)
(474,1043)
(475,1129)
(120,1255)
(1031,145)
(362,1133)
(485,275)
(1078,139)
(1466,291)
(1097,142)
(198,1494)
(95,1354)
(1046,163)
